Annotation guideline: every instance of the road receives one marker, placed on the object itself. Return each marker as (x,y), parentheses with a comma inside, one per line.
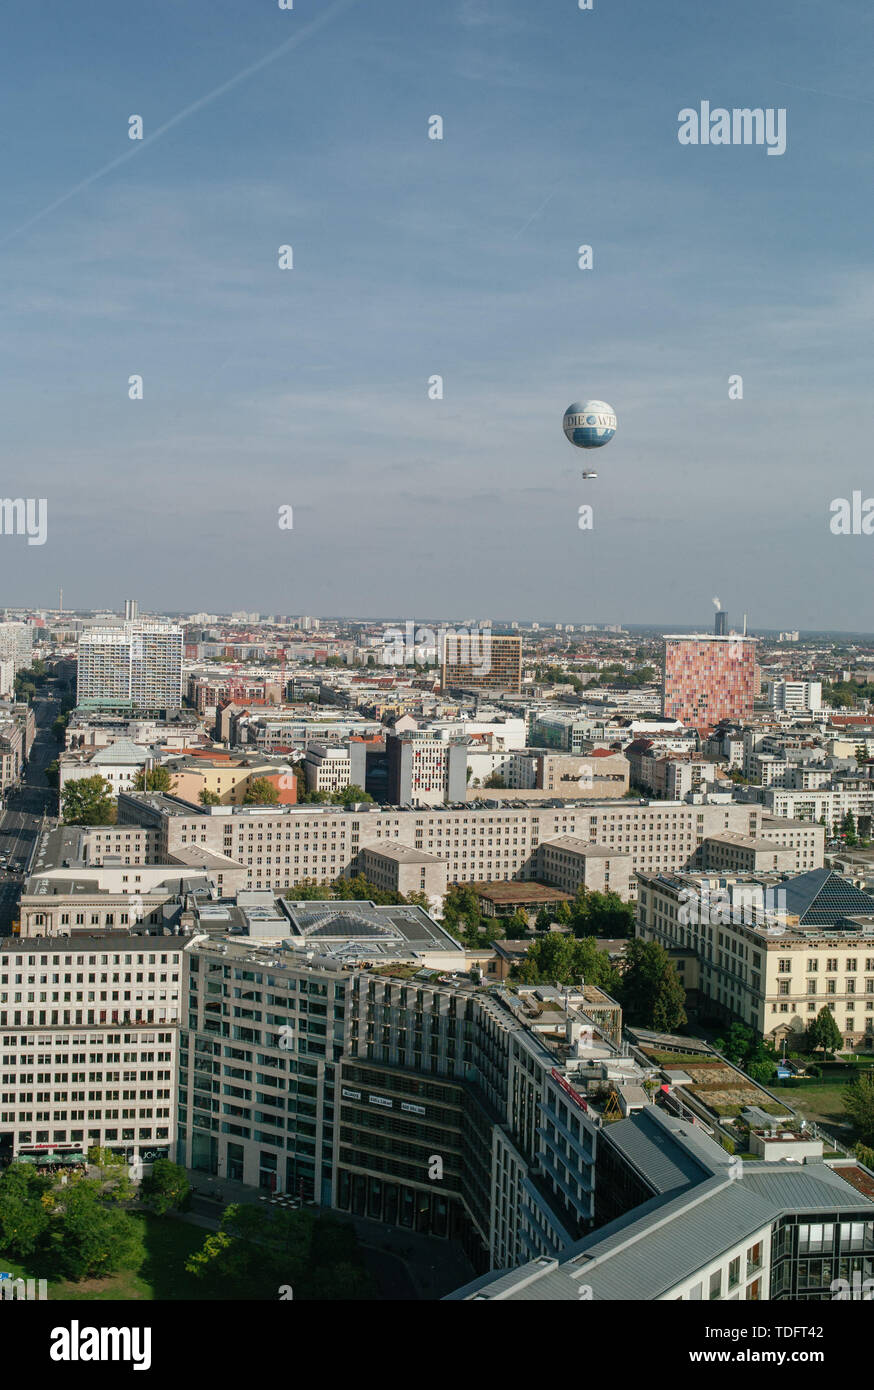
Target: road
(27,804)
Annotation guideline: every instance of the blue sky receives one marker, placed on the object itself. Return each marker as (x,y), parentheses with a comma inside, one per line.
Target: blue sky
(412,257)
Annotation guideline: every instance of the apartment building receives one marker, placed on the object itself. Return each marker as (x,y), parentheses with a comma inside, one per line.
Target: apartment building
(88,1044)
(331,767)
(795,696)
(135,666)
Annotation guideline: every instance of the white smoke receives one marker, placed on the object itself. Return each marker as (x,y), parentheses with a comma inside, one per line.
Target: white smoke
(717,603)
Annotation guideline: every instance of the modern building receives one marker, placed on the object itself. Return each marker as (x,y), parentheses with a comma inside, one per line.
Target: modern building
(425,770)
(482,662)
(696,1227)
(708,679)
(89,1045)
(137,666)
(795,696)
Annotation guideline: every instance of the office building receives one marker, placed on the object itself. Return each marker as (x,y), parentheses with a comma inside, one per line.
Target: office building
(700,1229)
(796,697)
(88,1045)
(768,951)
(279,846)
(708,679)
(481,661)
(424,769)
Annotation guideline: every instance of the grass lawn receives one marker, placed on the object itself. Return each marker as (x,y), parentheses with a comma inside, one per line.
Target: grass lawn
(822,1102)
(162,1275)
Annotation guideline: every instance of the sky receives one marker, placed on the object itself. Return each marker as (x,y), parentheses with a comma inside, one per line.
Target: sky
(307,387)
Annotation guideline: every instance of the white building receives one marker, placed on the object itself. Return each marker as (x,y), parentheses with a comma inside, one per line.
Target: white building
(795,696)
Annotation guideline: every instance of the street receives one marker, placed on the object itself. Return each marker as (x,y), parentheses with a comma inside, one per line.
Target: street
(27,803)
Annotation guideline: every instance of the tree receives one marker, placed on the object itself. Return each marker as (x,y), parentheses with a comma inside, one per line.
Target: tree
(208,798)
(261,792)
(166,1188)
(824,1032)
(87,1238)
(53,773)
(848,826)
(346,795)
(156,779)
(88,801)
(601,914)
(650,992)
(59,728)
(859,1105)
(23,1215)
(543,919)
(495,780)
(565,960)
(309,890)
(864,1154)
(516,927)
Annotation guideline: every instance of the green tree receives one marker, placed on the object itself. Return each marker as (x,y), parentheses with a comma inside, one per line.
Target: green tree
(823,1032)
(208,798)
(88,1239)
(24,1218)
(88,801)
(864,1154)
(516,927)
(650,992)
(495,780)
(155,779)
(566,960)
(53,773)
(346,795)
(166,1188)
(859,1106)
(261,792)
(601,914)
(543,919)
(308,890)
(848,826)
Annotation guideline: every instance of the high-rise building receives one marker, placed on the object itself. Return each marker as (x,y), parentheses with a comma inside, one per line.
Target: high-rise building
(707,679)
(481,660)
(131,610)
(16,645)
(136,666)
(721,624)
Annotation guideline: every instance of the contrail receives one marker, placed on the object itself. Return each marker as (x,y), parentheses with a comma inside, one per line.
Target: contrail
(182,115)
(818,91)
(539,210)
